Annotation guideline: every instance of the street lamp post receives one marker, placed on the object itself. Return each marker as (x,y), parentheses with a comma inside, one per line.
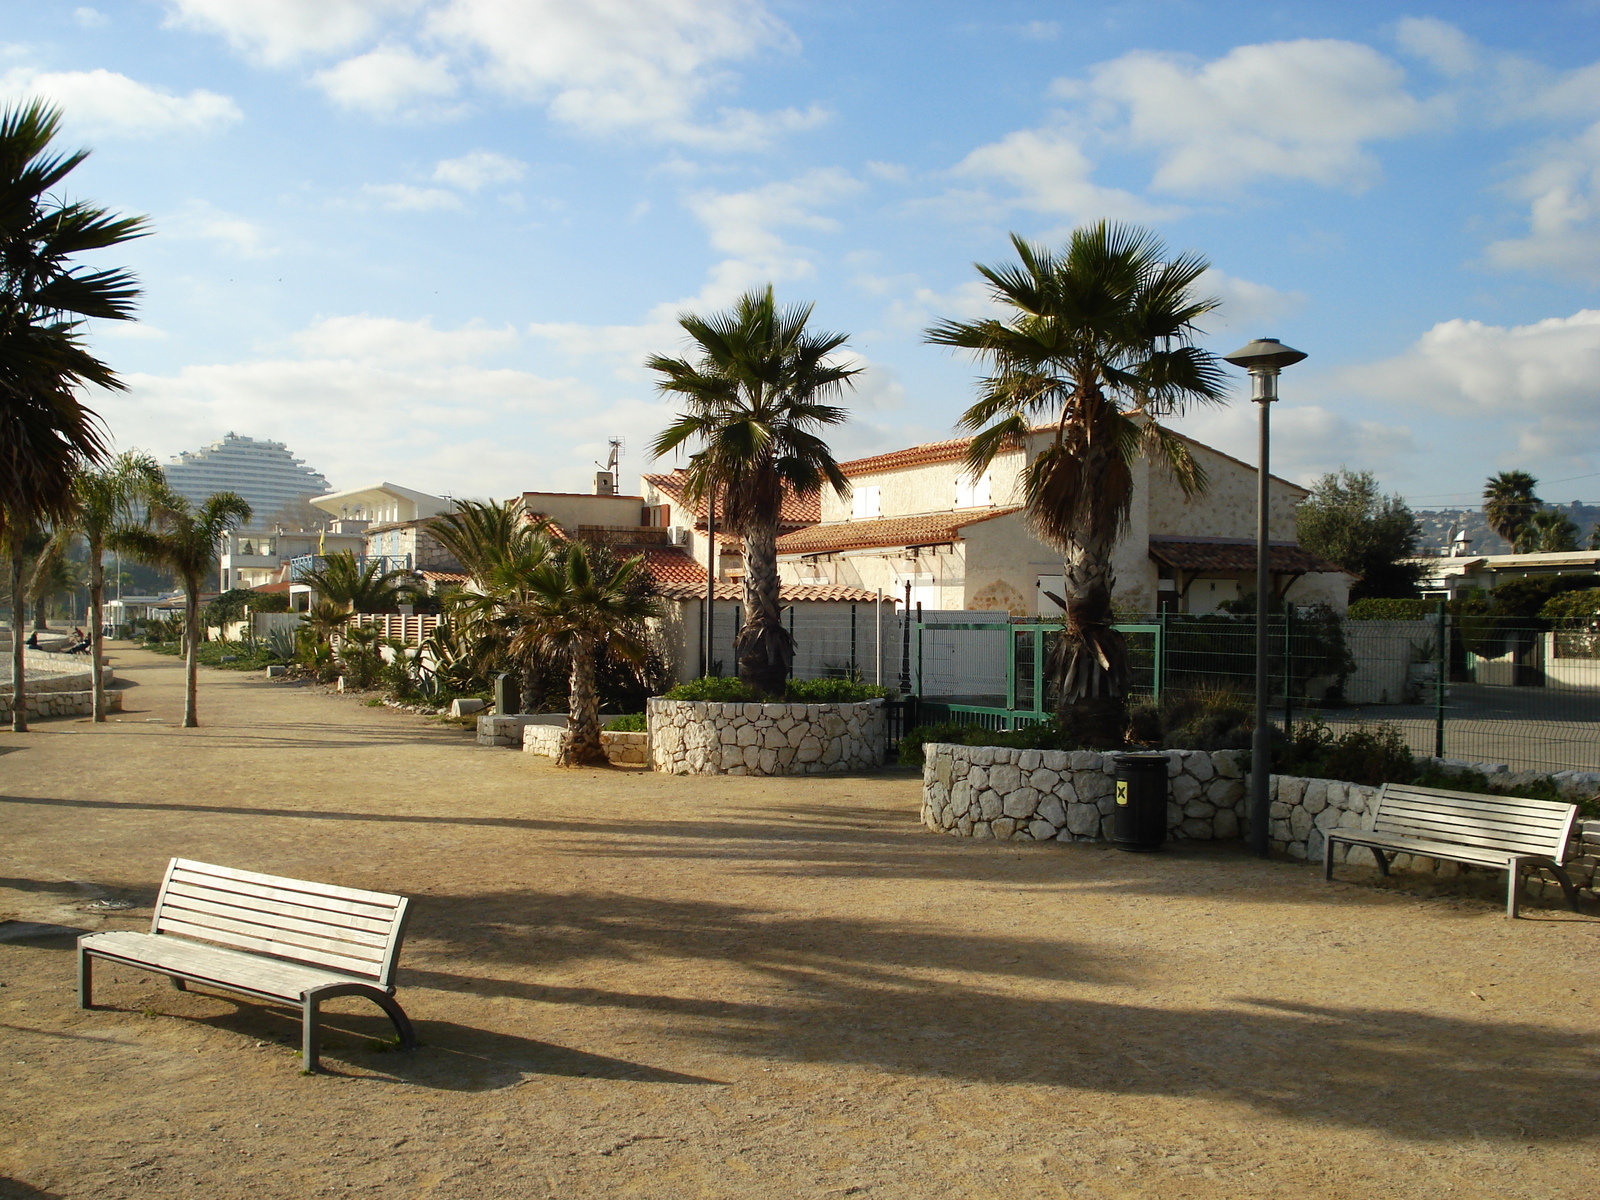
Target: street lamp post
(1263,358)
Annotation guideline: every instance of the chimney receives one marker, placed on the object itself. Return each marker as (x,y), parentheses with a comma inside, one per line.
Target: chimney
(605,483)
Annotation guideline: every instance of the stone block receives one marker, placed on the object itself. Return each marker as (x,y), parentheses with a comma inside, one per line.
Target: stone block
(989,805)
(1175,763)
(1316,796)
(1329,818)
(1226,824)
(1083,819)
(1004,778)
(1351,819)
(1051,809)
(1059,761)
(978,777)
(965,826)
(1301,822)
(1041,831)
(1225,793)
(960,797)
(1020,804)
(1200,766)
(809,750)
(1227,764)
(1199,808)
(982,756)
(1003,828)
(1183,788)
(1043,780)
(772,738)
(981,831)
(1291,790)
(1086,760)
(277,671)
(1198,828)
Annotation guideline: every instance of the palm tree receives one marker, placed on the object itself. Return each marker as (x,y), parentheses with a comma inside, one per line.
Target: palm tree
(105,499)
(1508,502)
(46,432)
(1099,341)
(185,543)
(755,397)
(576,616)
(500,550)
(1546,532)
(357,586)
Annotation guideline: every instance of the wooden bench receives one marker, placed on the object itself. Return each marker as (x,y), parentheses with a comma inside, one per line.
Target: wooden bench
(265,936)
(1507,832)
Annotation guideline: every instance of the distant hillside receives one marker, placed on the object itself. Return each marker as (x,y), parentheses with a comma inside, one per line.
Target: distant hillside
(1440,523)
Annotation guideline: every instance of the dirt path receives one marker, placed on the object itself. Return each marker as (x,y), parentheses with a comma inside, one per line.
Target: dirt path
(635,986)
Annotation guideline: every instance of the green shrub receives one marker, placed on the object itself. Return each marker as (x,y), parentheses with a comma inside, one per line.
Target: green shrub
(630,723)
(727,690)
(1369,754)
(831,691)
(1045,736)
(1376,609)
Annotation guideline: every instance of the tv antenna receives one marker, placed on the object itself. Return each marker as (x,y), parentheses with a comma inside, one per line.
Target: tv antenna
(617,446)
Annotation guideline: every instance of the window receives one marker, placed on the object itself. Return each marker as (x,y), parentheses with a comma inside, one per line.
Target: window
(972,493)
(866,503)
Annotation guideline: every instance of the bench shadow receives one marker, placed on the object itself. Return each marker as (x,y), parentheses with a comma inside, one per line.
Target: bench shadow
(15,1189)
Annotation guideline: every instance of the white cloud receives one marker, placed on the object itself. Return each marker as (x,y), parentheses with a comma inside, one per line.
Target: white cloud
(1052,176)
(617,65)
(1536,382)
(1438,43)
(202,220)
(89,18)
(1561,187)
(284,31)
(405,197)
(744,224)
(1307,439)
(387,81)
(106,103)
(478,169)
(364,398)
(1303,110)
(1041,31)
(1246,305)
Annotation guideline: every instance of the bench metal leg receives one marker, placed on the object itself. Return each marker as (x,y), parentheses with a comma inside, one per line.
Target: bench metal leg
(1567,888)
(310,1031)
(1513,887)
(1383,861)
(397,1015)
(178,983)
(85,979)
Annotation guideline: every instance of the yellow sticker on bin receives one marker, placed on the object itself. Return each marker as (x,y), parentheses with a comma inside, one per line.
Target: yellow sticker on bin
(1122,791)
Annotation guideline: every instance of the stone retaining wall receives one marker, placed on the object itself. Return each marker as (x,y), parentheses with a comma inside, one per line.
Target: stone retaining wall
(696,737)
(58,704)
(507,730)
(1067,796)
(623,748)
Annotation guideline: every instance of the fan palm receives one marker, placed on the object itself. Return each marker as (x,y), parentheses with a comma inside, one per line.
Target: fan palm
(500,550)
(357,586)
(755,398)
(1098,341)
(1546,532)
(184,541)
(46,432)
(1508,502)
(577,616)
(103,500)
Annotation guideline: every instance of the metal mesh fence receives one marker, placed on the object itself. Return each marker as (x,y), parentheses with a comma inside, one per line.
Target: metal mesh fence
(1475,688)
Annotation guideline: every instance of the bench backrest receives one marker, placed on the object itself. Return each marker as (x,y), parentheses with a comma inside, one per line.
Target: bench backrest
(342,929)
(1508,824)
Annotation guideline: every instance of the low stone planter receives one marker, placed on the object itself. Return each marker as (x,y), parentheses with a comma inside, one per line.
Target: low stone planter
(697,737)
(1069,796)
(58,704)
(623,749)
(506,731)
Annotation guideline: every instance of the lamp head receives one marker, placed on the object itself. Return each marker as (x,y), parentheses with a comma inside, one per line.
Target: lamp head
(1264,354)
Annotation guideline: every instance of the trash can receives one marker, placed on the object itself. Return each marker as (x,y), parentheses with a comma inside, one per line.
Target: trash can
(506,699)
(1140,823)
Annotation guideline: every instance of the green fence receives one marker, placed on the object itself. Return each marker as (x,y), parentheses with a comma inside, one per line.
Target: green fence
(1526,694)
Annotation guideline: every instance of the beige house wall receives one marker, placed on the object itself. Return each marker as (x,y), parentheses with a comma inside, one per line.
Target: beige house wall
(577,508)
(1227,508)
(926,489)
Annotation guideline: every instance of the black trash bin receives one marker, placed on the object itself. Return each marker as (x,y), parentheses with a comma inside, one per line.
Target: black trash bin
(1140,823)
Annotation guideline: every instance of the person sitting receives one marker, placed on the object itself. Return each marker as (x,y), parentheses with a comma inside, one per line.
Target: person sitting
(80,643)
(33,640)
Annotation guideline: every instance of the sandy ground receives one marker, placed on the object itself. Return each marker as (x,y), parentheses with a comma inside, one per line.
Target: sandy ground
(629,985)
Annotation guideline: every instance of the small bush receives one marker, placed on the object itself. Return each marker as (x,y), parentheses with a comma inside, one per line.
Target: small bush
(1045,736)
(726,690)
(1376,609)
(630,723)
(1369,754)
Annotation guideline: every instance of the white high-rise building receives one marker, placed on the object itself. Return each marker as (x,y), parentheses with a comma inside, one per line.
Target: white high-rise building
(264,473)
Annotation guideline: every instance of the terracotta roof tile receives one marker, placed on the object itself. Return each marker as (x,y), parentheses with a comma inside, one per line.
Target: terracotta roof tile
(444,576)
(797,510)
(928,529)
(789,593)
(1234,554)
(670,565)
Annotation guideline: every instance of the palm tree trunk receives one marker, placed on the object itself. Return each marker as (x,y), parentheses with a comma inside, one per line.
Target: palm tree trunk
(580,745)
(97,603)
(1090,660)
(764,647)
(19,618)
(191,636)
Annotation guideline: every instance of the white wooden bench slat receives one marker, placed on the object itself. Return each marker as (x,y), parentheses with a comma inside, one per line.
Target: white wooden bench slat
(252,924)
(1494,803)
(214,964)
(377,912)
(192,896)
(1533,822)
(380,899)
(1427,847)
(1498,831)
(243,941)
(1466,835)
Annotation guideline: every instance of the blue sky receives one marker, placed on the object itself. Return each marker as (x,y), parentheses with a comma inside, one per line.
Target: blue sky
(431,241)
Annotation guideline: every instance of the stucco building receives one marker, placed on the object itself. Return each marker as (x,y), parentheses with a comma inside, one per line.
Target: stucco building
(921,529)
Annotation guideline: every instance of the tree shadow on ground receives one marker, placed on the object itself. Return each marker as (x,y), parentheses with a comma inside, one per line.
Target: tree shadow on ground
(15,1189)
(888,996)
